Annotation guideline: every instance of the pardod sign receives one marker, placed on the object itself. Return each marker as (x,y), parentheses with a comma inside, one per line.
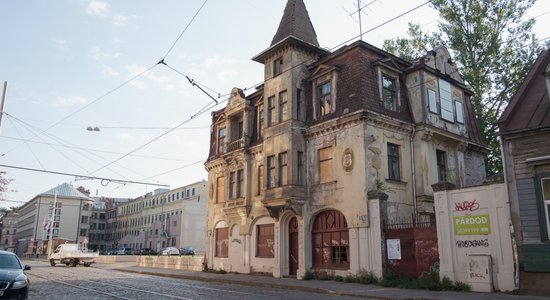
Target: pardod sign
(472,225)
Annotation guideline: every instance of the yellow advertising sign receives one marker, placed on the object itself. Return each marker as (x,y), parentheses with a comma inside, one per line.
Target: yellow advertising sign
(472,225)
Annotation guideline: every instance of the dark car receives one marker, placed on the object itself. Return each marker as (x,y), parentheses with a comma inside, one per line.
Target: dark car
(187,251)
(14,283)
(145,251)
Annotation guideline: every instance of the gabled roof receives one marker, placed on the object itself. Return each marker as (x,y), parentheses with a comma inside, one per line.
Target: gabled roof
(296,23)
(65,190)
(529,108)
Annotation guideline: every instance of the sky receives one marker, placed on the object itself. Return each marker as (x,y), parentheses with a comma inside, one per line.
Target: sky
(74,64)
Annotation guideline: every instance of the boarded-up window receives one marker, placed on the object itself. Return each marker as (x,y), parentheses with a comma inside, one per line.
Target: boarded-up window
(222,242)
(265,240)
(260,179)
(325,165)
(220,190)
(330,240)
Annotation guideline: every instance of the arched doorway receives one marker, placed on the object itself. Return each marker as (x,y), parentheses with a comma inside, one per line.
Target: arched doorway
(330,241)
(293,261)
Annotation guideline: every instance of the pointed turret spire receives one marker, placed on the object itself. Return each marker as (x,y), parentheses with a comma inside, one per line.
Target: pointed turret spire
(296,23)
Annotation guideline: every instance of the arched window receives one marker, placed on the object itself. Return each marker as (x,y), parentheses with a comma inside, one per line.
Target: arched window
(330,240)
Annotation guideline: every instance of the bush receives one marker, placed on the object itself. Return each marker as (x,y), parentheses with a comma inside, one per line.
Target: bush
(338,278)
(351,278)
(367,278)
(431,283)
(308,275)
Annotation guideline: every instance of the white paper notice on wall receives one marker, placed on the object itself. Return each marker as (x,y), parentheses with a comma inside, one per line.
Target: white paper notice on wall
(394,248)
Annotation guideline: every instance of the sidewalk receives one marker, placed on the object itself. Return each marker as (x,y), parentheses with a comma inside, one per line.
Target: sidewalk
(317,286)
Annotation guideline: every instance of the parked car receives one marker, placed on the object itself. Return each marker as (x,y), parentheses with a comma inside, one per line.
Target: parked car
(124,251)
(170,251)
(187,251)
(145,251)
(13,280)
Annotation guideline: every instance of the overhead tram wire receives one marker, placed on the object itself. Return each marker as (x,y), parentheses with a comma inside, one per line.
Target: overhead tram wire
(95,150)
(157,175)
(84,176)
(86,106)
(26,144)
(184,30)
(59,140)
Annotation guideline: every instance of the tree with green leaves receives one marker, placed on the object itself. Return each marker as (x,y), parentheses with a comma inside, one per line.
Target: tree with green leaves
(494,48)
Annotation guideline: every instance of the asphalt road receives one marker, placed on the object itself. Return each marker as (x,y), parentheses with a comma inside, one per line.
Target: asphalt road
(62,282)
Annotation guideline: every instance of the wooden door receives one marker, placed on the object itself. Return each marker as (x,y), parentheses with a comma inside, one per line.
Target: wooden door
(293,246)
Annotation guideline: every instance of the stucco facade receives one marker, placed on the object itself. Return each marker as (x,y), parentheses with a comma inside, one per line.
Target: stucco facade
(38,219)
(164,218)
(291,165)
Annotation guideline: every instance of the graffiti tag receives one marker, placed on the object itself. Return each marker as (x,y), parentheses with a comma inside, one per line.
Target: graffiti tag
(472,243)
(477,275)
(467,206)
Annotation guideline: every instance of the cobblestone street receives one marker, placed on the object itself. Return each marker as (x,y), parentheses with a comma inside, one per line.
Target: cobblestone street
(64,283)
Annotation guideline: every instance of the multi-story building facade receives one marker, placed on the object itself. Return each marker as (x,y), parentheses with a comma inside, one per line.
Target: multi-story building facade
(62,212)
(8,236)
(290,165)
(164,218)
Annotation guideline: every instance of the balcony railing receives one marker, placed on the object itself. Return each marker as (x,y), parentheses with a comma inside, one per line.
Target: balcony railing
(235,145)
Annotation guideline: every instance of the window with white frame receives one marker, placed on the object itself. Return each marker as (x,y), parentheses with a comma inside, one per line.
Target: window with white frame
(459,112)
(545,187)
(446,101)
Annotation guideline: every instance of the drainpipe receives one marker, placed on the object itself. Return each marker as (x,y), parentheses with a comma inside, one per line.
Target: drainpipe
(512,230)
(413,171)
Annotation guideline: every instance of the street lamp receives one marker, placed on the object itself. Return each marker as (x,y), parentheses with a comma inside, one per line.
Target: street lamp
(90,128)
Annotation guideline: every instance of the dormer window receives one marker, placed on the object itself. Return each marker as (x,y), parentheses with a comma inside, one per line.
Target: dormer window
(277,66)
(324,89)
(324,98)
(389,93)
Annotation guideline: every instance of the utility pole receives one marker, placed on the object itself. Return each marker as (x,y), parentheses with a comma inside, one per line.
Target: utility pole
(2,103)
(52,222)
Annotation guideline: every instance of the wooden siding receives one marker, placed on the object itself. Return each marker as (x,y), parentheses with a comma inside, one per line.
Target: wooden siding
(537,257)
(528,209)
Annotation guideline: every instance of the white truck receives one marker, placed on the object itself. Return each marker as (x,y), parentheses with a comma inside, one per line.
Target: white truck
(72,255)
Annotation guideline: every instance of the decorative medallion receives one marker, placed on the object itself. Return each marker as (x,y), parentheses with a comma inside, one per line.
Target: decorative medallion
(347,160)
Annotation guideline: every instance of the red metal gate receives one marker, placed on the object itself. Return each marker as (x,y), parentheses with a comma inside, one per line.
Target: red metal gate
(418,241)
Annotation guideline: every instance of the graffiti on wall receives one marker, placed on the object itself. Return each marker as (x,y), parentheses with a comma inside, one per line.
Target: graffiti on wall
(473,243)
(467,206)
